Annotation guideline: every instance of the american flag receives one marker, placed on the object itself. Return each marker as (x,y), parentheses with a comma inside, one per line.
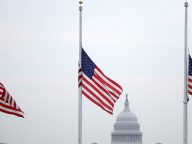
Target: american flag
(190,76)
(8,104)
(97,87)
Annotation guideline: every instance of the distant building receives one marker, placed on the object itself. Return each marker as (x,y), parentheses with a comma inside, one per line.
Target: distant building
(126,128)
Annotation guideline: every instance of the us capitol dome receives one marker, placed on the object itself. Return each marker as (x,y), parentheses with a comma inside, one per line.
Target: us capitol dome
(126,129)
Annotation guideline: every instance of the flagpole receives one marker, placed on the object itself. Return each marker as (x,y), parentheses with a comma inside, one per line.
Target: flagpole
(80,88)
(185,98)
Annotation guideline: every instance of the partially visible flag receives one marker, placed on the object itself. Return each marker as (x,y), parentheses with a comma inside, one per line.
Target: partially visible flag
(190,76)
(97,87)
(8,104)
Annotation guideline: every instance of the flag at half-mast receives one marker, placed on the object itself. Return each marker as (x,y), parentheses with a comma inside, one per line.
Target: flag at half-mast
(8,104)
(96,86)
(190,76)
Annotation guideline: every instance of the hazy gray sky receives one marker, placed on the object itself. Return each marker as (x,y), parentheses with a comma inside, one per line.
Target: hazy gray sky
(139,44)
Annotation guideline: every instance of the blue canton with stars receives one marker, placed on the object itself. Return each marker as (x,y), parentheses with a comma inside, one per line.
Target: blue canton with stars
(87,64)
(190,66)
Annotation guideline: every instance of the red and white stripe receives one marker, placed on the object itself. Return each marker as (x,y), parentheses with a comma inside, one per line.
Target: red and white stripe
(189,84)
(80,76)
(101,90)
(8,104)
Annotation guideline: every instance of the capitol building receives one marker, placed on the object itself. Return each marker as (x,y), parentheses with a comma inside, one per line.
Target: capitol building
(126,129)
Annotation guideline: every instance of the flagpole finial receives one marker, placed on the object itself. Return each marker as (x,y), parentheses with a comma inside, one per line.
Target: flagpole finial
(80,2)
(186,4)
(80,6)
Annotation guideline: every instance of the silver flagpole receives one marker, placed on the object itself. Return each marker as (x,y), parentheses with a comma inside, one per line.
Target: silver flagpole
(185,98)
(80,88)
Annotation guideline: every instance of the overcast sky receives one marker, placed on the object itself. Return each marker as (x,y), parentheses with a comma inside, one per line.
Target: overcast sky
(139,44)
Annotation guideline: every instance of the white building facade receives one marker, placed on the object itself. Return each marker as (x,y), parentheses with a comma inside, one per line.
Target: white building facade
(126,128)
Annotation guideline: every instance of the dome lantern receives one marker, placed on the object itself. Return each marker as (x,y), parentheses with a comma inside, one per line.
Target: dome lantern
(126,103)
